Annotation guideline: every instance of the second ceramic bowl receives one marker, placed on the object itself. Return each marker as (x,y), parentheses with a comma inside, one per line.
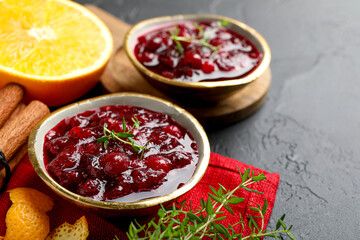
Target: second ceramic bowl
(198,93)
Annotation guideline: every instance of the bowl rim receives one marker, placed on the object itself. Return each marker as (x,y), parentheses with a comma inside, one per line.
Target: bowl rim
(256,73)
(141,204)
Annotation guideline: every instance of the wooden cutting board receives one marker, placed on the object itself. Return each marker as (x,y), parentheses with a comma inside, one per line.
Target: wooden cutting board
(121,76)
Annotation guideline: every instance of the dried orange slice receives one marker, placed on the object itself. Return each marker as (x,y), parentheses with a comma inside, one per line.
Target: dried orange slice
(56,49)
(26,218)
(66,231)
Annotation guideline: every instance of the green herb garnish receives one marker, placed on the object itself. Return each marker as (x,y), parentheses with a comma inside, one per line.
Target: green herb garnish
(182,222)
(200,39)
(120,136)
(174,36)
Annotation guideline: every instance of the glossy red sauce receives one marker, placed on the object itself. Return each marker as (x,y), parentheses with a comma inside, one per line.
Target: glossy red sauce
(78,162)
(236,55)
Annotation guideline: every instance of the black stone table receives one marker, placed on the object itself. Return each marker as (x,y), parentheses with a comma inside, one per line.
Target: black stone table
(308,130)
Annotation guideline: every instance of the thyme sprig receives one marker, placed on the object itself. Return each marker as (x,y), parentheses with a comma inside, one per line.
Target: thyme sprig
(183,222)
(200,39)
(126,134)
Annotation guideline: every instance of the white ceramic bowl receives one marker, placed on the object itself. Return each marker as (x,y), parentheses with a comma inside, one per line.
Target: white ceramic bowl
(197,93)
(107,208)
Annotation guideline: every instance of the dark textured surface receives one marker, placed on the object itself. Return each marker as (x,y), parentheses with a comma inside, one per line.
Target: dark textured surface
(309,127)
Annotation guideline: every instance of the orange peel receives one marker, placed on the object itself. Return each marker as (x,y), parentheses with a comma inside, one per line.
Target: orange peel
(32,196)
(78,231)
(26,218)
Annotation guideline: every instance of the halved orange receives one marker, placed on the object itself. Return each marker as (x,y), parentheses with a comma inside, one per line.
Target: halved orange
(56,49)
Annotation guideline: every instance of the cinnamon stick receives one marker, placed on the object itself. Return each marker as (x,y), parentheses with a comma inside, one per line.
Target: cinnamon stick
(13,163)
(16,132)
(17,110)
(21,106)
(10,96)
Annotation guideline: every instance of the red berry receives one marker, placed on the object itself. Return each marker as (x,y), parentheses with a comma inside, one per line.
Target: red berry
(208,67)
(79,133)
(153,44)
(141,180)
(68,158)
(179,159)
(117,191)
(245,44)
(92,148)
(158,137)
(52,134)
(114,124)
(194,146)
(254,54)
(146,57)
(68,178)
(155,178)
(90,187)
(115,163)
(173,130)
(216,42)
(188,72)
(95,172)
(165,40)
(169,145)
(192,59)
(55,167)
(92,166)
(142,39)
(157,162)
(61,129)
(166,60)
(56,145)
(79,121)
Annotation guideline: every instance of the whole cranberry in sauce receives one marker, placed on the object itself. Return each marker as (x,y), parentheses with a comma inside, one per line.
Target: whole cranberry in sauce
(77,161)
(208,52)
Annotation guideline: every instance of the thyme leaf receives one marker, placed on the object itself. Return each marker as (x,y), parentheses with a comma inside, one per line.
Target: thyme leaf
(183,222)
(200,39)
(124,137)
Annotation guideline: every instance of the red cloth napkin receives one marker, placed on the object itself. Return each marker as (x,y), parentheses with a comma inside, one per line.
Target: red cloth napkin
(221,170)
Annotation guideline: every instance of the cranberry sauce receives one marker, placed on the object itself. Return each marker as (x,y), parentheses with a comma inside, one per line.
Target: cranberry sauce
(214,52)
(115,171)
